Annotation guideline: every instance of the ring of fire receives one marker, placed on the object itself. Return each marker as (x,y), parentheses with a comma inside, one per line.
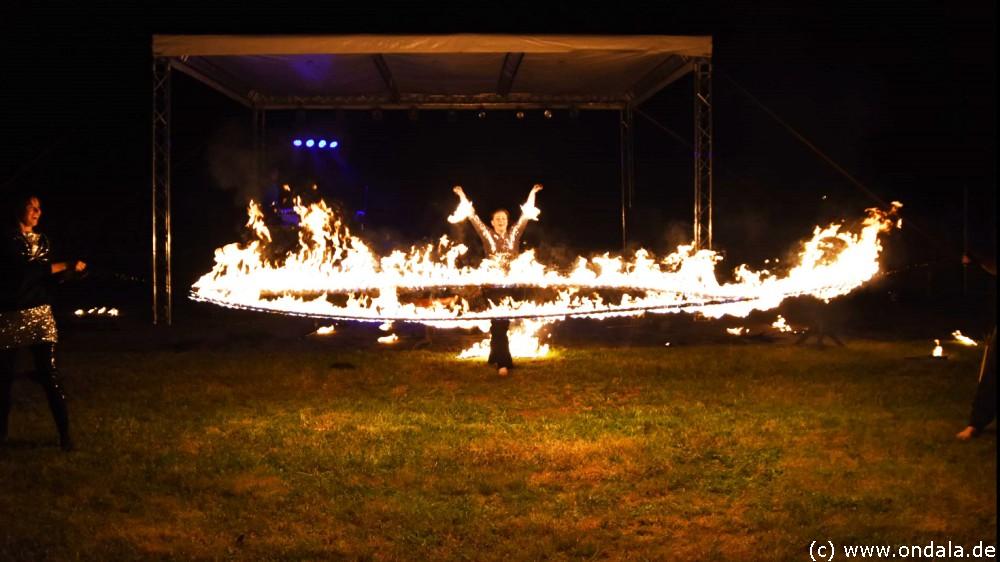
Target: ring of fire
(334,275)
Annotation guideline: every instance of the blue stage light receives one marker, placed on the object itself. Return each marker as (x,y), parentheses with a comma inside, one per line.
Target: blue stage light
(333,144)
(310,142)
(321,143)
(297,142)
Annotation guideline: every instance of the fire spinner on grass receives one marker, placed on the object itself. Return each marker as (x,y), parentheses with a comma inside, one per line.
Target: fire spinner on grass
(332,274)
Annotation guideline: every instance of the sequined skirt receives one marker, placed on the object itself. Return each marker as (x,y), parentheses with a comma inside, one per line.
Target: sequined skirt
(21,328)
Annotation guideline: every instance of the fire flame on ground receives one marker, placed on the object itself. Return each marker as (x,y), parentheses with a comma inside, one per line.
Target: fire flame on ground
(102,311)
(525,341)
(963,339)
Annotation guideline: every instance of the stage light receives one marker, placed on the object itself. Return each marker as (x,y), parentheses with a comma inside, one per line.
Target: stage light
(310,142)
(519,115)
(321,143)
(334,144)
(481,114)
(297,142)
(547,113)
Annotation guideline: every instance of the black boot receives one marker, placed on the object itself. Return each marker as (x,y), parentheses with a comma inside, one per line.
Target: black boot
(6,381)
(48,376)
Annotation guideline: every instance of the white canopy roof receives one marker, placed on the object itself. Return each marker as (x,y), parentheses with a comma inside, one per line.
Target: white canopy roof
(428,71)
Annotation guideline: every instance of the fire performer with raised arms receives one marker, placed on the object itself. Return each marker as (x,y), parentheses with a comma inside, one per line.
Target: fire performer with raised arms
(502,245)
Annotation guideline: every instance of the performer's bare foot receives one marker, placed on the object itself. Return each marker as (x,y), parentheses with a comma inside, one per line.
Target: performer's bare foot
(967,433)
(502,371)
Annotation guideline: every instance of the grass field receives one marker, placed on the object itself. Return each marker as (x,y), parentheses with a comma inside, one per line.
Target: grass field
(302,449)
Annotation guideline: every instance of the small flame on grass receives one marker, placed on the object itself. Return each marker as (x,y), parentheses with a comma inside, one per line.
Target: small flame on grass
(325,330)
(781,325)
(102,311)
(963,339)
(391,338)
(938,350)
(385,326)
(737,331)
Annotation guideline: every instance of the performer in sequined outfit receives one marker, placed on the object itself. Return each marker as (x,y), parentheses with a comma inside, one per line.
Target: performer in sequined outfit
(501,244)
(26,319)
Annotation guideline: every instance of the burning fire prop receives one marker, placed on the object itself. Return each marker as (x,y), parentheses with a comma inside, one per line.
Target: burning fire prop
(332,274)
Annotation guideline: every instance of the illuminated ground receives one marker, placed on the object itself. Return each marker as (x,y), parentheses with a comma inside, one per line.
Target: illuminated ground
(256,445)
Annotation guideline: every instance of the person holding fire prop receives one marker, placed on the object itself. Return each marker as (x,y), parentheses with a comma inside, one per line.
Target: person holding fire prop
(501,244)
(26,319)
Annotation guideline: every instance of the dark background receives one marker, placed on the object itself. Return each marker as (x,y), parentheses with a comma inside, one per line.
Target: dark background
(901,95)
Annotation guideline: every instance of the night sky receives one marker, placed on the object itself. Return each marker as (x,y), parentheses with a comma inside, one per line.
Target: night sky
(902,95)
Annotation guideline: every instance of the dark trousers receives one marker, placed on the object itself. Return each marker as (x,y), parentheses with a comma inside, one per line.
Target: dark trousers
(984,405)
(45,374)
(499,344)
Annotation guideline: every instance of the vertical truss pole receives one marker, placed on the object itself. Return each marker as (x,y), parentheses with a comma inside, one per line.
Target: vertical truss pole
(162,294)
(259,146)
(630,153)
(625,122)
(621,146)
(255,140)
(263,149)
(703,154)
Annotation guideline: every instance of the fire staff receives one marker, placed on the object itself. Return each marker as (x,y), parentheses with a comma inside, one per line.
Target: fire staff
(501,244)
(26,319)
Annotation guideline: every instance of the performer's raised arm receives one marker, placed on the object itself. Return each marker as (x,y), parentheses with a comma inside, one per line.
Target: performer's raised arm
(464,209)
(529,212)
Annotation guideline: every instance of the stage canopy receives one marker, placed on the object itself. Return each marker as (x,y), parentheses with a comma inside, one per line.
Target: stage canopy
(428,71)
(466,71)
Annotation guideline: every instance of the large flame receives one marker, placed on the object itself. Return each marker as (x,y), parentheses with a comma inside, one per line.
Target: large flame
(333,274)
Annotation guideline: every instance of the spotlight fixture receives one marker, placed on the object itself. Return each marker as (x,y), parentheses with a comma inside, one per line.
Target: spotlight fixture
(547,113)
(481,114)
(310,143)
(519,114)
(297,142)
(321,143)
(334,144)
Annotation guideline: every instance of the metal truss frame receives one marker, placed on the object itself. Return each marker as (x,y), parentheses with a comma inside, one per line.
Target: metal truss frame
(162,284)
(703,154)
(162,287)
